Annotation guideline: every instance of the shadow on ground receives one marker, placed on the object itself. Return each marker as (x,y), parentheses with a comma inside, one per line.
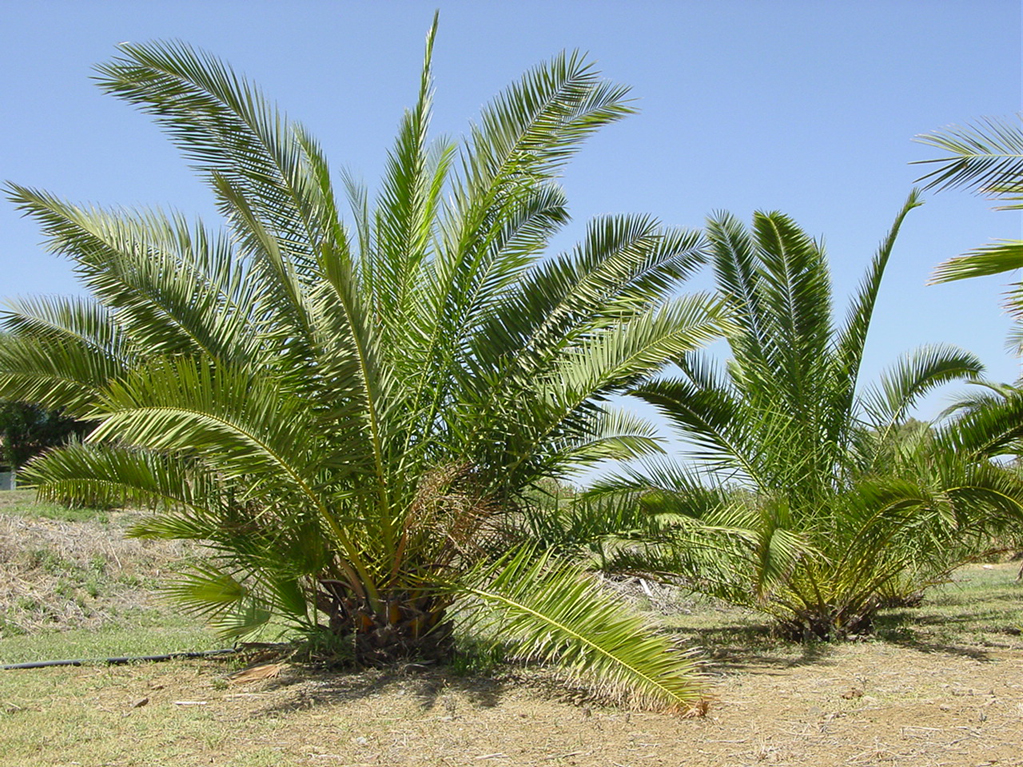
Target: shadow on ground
(299,687)
(744,647)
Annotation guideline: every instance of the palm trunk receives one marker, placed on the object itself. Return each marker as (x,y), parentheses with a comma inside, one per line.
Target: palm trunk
(406,627)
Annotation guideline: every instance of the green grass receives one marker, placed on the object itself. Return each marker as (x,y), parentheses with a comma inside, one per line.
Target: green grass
(729,636)
(24,503)
(172,634)
(982,606)
(63,582)
(979,610)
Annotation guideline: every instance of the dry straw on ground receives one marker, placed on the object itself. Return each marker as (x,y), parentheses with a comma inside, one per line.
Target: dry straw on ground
(57,575)
(917,708)
(937,694)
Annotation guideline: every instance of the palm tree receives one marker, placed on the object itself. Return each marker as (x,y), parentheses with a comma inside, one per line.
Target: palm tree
(347,413)
(825,501)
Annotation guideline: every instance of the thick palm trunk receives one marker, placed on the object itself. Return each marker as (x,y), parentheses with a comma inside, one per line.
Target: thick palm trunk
(406,626)
(827,623)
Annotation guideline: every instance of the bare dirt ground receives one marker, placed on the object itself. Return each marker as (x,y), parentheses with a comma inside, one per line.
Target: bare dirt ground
(862,704)
(947,689)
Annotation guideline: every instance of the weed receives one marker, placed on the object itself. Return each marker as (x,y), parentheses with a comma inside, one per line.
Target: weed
(323,646)
(28,604)
(92,586)
(476,658)
(10,627)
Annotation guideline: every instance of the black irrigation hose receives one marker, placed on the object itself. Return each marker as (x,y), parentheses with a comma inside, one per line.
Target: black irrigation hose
(115,661)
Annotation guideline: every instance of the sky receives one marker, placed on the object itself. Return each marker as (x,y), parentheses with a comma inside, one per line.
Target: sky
(806,107)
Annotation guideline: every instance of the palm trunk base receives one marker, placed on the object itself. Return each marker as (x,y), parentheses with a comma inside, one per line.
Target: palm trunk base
(825,626)
(404,629)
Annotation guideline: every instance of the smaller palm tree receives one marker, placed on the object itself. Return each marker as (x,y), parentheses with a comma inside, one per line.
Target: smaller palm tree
(826,503)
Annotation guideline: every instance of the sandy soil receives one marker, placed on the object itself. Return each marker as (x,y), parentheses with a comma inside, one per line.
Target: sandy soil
(861,704)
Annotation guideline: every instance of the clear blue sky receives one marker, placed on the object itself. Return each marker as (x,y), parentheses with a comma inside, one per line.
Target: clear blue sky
(805,107)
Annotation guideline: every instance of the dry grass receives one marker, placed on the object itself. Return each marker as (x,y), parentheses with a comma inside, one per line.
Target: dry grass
(61,575)
(867,704)
(943,685)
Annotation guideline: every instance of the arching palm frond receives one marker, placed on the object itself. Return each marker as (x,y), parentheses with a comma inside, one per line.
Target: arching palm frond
(544,610)
(888,403)
(986,157)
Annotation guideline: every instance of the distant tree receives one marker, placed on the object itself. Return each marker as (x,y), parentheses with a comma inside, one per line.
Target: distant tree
(28,430)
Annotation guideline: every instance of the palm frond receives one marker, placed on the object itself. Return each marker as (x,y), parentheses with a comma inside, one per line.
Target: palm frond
(988,431)
(73,319)
(613,434)
(173,288)
(986,157)
(114,475)
(998,258)
(555,613)
(67,375)
(853,335)
(231,133)
(912,377)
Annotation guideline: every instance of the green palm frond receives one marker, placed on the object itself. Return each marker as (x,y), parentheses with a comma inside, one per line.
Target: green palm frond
(231,608)
(795,290)
(986,157)
(113,475)
(408,204)
(532,129)
(555,613)
(913,376)
(999,258)
(232,135)
(987,431)
(853,335)
(67,375)
(738,276)
(990,393)
(73,319)
(172,287)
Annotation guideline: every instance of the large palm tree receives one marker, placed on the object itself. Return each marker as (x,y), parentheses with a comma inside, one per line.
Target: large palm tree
(346,413)
(824,501)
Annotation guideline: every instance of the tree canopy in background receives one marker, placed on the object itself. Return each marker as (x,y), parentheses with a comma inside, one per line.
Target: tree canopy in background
(28,430)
